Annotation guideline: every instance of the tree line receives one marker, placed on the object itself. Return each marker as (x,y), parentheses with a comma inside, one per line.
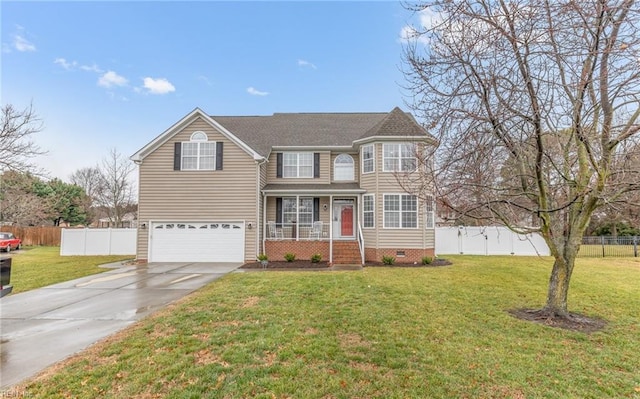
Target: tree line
(28,198)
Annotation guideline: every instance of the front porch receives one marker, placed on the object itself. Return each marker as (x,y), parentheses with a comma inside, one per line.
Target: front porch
(308,222)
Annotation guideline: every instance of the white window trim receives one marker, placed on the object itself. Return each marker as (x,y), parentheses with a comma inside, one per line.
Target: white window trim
(399,158)
(417,212)
(198,142)
(297,176)
(199,133)
(373,211)
(373,158)
(353,167)
(432,213)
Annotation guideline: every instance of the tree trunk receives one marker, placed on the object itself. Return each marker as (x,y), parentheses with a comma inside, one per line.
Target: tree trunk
(559,286)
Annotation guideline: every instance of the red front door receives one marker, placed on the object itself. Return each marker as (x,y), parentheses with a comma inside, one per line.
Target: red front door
(346,225)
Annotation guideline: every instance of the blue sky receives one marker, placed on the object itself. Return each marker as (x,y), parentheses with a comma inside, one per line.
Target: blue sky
(107,75)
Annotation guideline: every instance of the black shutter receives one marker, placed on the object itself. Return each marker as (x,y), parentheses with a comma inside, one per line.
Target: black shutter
(279,164)
(316,209)
(316,164)
(177,158)
(278,210)
(219,156)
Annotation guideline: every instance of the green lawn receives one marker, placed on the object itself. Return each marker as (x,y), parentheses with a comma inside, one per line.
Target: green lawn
(36,267)
(379,333)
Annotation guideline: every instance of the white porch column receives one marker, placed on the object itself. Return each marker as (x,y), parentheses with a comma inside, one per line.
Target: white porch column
(264,222)
(331,229)
(297,218)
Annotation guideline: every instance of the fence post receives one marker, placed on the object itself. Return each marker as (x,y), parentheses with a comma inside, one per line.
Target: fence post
(635,246)
(602,241)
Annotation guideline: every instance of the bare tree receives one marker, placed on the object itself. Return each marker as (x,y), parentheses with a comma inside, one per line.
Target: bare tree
(115,191)
(90,180)
(16,147)
(535,105)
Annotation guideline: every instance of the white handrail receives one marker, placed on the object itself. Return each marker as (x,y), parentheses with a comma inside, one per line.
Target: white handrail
(361,243)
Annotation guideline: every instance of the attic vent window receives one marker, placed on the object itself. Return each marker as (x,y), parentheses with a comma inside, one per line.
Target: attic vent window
(199,136)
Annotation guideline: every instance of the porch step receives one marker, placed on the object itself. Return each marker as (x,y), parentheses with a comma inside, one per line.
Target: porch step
(346,253)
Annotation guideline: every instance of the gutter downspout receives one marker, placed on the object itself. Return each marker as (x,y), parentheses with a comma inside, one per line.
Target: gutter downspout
(258,224)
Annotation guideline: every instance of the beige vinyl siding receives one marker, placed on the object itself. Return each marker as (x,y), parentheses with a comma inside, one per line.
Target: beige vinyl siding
(222,195)
(380,183)
(325,170)
(356,164)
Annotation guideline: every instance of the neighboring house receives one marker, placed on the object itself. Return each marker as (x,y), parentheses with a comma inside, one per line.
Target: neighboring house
(228,188)
(129,220)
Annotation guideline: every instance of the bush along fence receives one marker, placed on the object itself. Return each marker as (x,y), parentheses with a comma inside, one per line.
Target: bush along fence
(609,246)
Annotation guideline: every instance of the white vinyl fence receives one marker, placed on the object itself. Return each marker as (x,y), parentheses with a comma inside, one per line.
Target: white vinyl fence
(488,240)
(98,242)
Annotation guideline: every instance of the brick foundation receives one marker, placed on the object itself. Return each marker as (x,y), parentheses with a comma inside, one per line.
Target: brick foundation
(303,250)
(411,255)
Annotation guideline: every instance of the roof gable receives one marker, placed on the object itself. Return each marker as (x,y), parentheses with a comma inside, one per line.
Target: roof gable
(396,123)
(181,124)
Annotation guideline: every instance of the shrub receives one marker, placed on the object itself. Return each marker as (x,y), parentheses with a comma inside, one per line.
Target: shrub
(315,258)
(289,257)
(263,257)
(426,260)
(388,260)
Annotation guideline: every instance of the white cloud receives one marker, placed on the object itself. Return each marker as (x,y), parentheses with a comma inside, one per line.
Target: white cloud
(254,92)
(65,64)
(205,80)
(427,19)
(91,68)
(158,86)
(22,44)
(110,79)
(72,65)
(305,63)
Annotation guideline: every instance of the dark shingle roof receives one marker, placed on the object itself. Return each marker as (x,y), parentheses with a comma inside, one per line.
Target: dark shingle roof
(318,129)
(396,123)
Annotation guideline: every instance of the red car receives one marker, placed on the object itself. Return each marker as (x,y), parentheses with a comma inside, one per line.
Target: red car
(9,242)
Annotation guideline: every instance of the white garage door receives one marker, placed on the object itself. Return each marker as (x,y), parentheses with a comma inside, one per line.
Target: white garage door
(197,242)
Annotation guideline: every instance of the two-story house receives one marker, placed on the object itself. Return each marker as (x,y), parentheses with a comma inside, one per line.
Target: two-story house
(228,188)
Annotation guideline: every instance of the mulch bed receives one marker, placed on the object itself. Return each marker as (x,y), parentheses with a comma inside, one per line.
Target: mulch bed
(296,264)
(573,321)
(435,263)
(306,264)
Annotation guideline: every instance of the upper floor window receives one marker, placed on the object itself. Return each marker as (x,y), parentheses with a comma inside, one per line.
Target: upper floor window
(399,157)
(298,165)
(198,153)
(343,167)
(368,160)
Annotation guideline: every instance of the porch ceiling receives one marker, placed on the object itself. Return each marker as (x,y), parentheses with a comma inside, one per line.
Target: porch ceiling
(327,189)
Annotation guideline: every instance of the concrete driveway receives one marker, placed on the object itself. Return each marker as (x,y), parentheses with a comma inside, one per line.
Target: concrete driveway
(41,327)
